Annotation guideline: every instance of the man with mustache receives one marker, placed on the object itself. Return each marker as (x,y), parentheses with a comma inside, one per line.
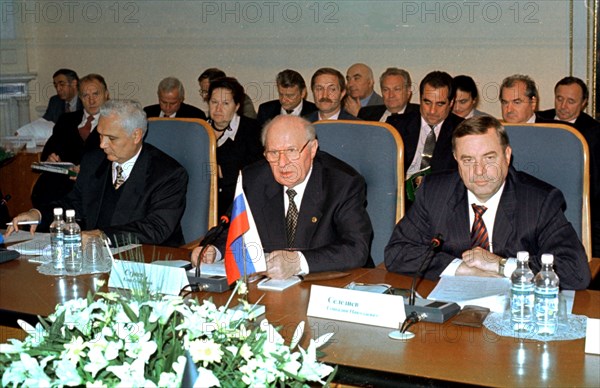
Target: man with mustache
(329,88)
(486,212)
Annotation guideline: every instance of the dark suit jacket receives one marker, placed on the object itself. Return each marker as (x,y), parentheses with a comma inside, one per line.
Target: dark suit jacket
(334,231)
(185,111)
(68,144)
(270,109)
(374,112)
(314,116)
(233,156)
(409,127)
(56,107)
(529,218)
(151,203)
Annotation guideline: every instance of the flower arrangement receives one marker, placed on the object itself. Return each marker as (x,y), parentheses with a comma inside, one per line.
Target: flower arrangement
(111,340)
(5,154)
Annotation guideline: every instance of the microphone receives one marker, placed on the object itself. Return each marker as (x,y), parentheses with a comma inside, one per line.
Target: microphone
(213,284)
(3,201)
(435,243)
(423,309)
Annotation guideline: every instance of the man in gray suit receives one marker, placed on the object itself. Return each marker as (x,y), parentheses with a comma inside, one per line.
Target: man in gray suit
(360,87)
(486,212)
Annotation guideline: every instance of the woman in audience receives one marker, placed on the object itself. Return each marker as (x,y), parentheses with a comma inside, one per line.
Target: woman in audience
(466,98)
(238,137)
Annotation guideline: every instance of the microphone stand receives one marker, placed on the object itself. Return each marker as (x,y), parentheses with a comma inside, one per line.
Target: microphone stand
(436,242)
(214,284)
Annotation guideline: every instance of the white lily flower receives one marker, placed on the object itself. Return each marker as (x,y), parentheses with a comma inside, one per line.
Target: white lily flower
(206,379)
(66,372)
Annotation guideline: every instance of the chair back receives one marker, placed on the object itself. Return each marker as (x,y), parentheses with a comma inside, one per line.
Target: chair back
(192,143)
(558,155)
(375,150)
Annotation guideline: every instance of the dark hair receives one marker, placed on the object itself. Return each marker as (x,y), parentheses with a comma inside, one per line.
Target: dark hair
(399,72)
(479,125)
(466,84)
(289,78)
(574,80)
(330,71)
(437,80)
(212,74)
(530,88)
(70,74)
(93,77)
(231,84)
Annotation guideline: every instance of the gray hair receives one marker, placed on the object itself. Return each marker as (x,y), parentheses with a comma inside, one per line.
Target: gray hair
(530,87)
(308,127)
(130,113)
(399,72)
(171,83)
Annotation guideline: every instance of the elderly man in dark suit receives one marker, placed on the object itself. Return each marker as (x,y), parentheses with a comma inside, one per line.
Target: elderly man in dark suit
(128,189)
(66,83)
(396,91)
(360,87)
(328,88)
(292,98)
(325,196)
(73,135)
(486,212)
(171,94)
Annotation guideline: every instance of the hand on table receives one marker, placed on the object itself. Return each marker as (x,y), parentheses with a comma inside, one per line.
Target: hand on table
(282,264)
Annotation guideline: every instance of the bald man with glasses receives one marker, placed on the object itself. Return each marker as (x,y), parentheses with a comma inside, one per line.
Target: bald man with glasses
(309,207)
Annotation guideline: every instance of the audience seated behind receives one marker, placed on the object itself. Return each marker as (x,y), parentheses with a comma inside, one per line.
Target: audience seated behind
(328,88)
(71,139)
(238,137)
(171,94)
(360,89)
(292,98)
(66,83)
(467,97)
(209,75)
(396,91)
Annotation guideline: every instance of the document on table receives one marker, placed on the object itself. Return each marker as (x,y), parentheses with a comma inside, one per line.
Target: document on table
(21,235)
(33,246)
(473,290)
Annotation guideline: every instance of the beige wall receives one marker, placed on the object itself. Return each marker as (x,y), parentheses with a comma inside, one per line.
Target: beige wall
(134,44)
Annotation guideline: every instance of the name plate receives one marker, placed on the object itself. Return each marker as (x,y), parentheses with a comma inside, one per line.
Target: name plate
(141,276)
(354,306)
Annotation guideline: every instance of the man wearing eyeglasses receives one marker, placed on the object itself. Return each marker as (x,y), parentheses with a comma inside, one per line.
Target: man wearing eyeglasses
(309,207)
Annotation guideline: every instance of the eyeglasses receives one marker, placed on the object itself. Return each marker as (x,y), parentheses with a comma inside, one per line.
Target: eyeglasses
(290,153)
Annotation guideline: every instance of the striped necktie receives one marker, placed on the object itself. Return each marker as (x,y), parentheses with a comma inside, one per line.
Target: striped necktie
(479,234)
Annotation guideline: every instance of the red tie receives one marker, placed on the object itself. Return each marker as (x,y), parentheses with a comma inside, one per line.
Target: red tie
(84,131)
(479,234)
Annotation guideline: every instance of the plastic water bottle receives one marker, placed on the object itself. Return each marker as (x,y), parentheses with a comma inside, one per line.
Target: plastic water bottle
(56,240)
(72,244)
(522,294)
(546,297)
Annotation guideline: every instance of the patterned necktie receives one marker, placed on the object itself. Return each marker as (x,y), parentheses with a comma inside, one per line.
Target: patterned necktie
(120,179)
(84,131)
(428,149)
(479,234)
(67,107)
(291,218)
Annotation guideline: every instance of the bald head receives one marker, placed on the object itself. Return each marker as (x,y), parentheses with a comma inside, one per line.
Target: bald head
(360,81)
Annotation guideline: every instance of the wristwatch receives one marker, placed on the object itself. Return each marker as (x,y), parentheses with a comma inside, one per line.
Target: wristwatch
(501,265)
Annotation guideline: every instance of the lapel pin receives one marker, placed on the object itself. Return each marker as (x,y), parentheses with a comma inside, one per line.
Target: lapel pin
(314,220)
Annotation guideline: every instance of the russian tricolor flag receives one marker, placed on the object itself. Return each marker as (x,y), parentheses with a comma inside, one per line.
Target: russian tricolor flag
(243,241)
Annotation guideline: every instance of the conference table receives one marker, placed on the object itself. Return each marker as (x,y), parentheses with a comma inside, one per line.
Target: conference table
(438,355)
